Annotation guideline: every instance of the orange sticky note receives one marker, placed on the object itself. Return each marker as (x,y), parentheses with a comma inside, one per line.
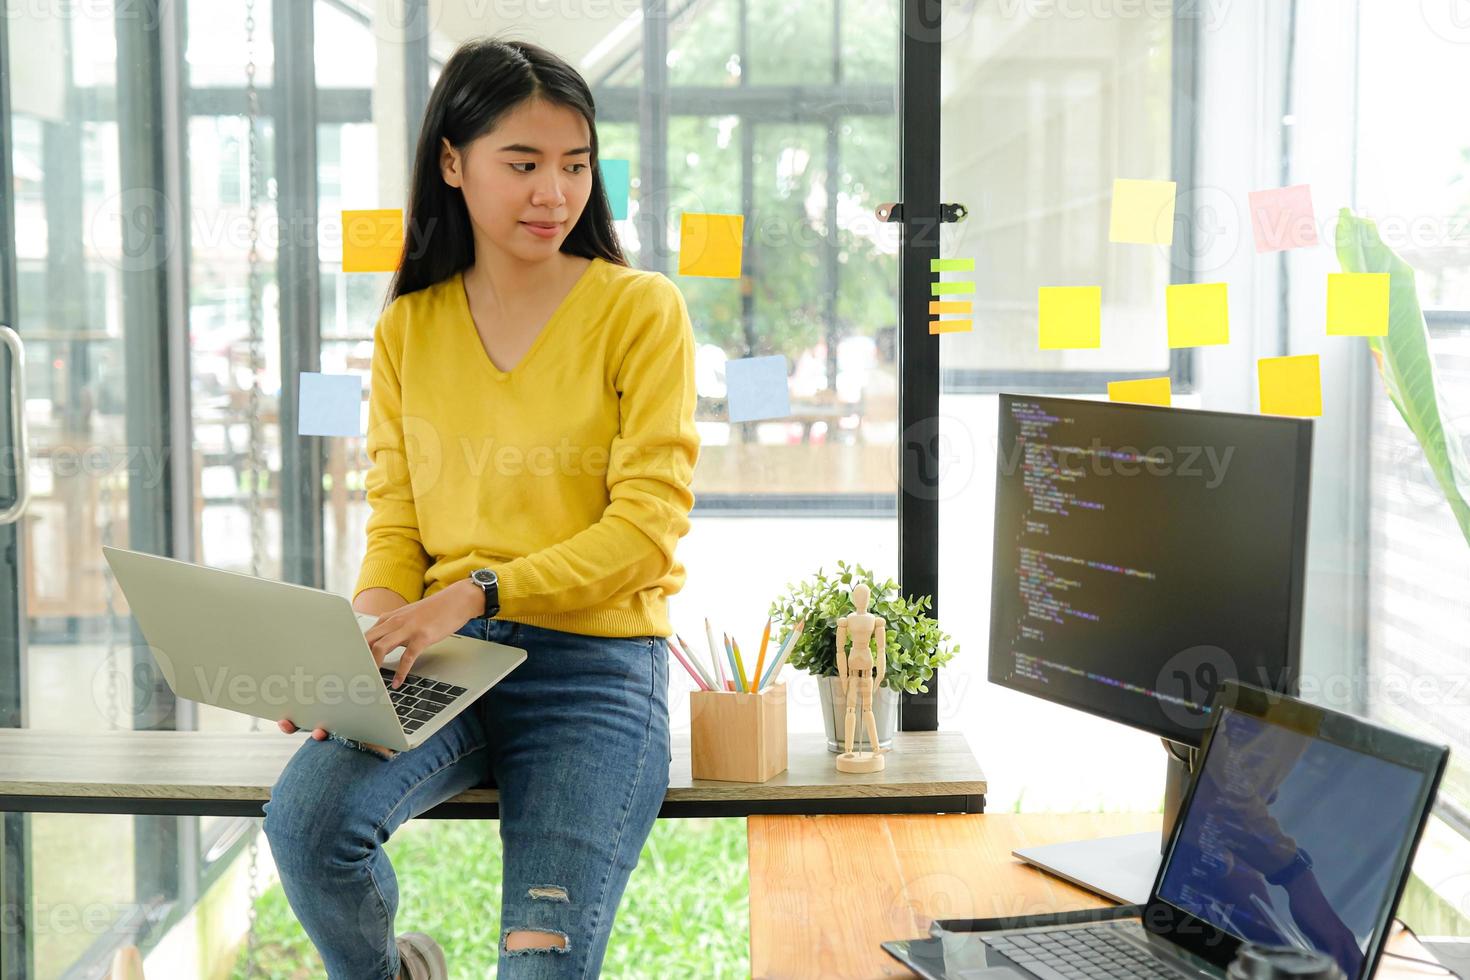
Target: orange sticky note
(950,326)
(1290,385)
(1141,391)
(950,306)
(711,245)
(1357,304)
(1197,314)
(1143,212)
(372,241)
(1069,317)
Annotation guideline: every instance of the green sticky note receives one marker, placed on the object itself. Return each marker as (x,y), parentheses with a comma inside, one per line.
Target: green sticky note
(1070,317)
(1197,314)
(1143,212)
(1290,385)
(950,288)
(1357,304)
(951,265)
(616,176)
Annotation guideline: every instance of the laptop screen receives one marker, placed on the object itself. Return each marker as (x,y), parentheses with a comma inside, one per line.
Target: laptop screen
(1292,840)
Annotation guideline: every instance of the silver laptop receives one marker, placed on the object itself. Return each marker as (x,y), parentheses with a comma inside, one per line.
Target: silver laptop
(278,650)
(1299,830)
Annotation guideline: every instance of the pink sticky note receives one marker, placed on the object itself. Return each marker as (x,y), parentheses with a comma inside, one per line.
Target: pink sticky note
(1283,218)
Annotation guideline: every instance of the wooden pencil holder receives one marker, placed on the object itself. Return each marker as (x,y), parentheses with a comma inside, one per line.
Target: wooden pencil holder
(738,737)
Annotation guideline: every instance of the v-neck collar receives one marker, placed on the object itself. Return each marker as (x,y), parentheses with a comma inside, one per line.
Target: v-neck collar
(463,300)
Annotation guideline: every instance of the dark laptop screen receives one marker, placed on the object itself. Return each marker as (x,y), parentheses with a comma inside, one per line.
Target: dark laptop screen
(1292,840)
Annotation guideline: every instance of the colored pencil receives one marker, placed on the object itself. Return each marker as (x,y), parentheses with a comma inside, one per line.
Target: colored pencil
(709,683)
(766,675)
(713,654)
(689,667)
(760,662)
(730,654)
(785,653)
(740,662)
(699,664)
(775,660)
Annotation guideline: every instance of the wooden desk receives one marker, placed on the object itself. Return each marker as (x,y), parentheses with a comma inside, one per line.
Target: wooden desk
(209,773)
(826,890)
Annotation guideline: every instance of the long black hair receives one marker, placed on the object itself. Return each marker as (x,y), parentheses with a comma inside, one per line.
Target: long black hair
(483,80)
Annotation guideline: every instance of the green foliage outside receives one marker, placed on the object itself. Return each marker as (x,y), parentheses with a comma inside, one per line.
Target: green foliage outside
(686,911)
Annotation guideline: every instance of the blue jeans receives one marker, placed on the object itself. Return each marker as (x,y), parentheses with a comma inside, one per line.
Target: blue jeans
(576,739)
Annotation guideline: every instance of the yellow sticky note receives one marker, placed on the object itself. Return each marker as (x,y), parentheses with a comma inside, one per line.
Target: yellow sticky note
(372,241)
(1197,314)
(1290,385)
(951,326)
(1141,391)
(1070,316)
(1143,212)
(950,306)
(1357,304)
(711,245)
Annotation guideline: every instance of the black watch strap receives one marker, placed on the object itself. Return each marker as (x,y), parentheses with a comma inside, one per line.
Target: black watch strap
(490,585)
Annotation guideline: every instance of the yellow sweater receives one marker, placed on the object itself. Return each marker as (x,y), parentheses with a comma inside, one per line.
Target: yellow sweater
(570,475)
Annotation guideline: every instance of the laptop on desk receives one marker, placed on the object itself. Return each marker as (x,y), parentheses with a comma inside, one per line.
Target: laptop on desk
(279,650)
(1298,831)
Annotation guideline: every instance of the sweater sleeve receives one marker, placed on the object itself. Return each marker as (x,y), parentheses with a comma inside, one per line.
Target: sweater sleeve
(650,470)
(395,557)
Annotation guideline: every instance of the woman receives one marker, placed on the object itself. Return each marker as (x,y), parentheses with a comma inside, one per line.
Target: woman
(532,413)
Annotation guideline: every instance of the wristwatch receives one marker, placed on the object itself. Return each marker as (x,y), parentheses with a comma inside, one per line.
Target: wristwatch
(1301,861)
(489,582)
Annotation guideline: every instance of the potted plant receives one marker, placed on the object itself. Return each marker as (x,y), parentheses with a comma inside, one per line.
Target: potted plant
(915,645)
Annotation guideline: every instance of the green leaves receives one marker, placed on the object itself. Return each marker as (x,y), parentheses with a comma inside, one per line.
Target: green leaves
(915,647)
(1404,360)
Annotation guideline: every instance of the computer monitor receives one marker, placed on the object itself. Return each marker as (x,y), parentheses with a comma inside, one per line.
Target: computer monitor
(1144,556)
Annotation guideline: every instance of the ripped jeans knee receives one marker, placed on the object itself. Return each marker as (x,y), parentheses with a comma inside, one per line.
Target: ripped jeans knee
(522,947)
(372,748)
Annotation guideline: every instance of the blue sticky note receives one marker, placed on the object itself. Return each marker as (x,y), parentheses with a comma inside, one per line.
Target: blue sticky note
(616,177)
(757,389)
(331,404)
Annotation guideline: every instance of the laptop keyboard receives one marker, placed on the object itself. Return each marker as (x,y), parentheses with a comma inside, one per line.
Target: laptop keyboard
(419,699)
(1081,954)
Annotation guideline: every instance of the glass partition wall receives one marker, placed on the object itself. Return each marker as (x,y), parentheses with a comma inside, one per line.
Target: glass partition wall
(172,179)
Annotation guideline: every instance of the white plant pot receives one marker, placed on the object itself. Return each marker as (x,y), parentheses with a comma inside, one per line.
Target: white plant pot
(834,708)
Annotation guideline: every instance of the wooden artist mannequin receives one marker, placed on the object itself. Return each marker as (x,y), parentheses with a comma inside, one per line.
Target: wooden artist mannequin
(858,680)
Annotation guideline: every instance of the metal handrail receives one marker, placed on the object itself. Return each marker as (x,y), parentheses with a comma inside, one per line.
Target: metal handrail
(17,507)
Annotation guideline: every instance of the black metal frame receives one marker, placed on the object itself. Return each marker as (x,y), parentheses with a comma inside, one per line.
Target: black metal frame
(164,846)
(16,958)
(918,354)
(298,277)
(945,803)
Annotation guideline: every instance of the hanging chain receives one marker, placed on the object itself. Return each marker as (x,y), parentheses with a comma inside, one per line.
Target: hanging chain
(105,509)
(254,468)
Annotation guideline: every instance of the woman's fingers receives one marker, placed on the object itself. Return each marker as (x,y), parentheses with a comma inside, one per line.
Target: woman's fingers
(289,727)
(405,662)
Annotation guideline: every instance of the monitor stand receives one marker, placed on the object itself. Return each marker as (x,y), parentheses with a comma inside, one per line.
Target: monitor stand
(1121,868)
